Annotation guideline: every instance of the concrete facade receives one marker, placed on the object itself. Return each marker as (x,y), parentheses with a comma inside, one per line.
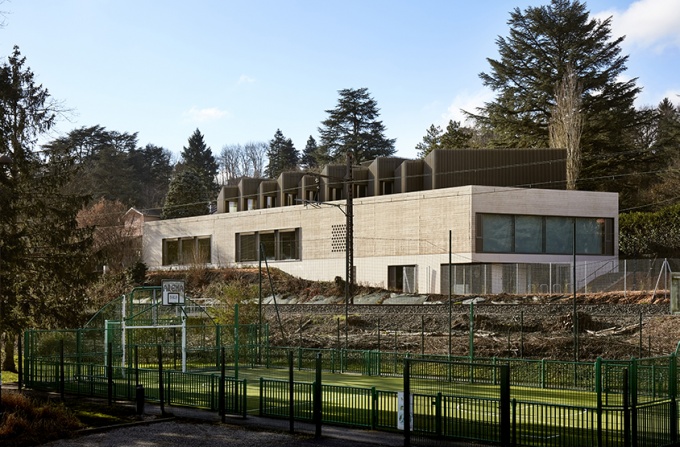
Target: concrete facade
(408,231)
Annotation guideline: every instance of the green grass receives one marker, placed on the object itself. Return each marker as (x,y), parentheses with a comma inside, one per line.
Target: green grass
(9,377)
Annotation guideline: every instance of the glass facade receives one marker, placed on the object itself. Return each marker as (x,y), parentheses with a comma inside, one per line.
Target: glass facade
(525,234)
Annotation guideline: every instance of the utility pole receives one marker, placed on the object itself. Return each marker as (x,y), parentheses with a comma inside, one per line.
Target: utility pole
(349,244)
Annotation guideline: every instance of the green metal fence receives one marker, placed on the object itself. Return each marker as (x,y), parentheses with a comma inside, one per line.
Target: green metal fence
(548,403)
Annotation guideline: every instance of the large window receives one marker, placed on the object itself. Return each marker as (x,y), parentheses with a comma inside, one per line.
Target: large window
(187,251)
(277,245)
(521,234)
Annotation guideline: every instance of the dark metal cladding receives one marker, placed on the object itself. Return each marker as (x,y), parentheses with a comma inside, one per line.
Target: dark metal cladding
(537,168)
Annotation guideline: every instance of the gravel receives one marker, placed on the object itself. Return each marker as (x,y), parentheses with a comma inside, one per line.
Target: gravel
(187,433)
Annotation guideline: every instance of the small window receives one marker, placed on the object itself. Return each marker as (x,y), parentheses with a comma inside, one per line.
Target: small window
(402,278)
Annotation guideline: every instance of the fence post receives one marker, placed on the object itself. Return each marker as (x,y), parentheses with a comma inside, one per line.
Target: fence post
(505,405)
(626,410)
(20,364)
(291,393)
(161,390)
(374,408)
(438,414)
(673,389)
(136,365)
(407,402)
(598,392)
(61,369)
(633,387)
(109,372)
(318,403)
(220,392)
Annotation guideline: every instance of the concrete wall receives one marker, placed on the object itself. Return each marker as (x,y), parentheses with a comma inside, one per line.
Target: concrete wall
(402,229)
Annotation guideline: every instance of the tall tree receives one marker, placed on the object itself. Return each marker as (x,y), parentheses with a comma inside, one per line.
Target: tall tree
(659,136)
(237,161)
(544,42)
(199,157)
(566,124)
(44,265)
(353,127)
(111,166)
(282,155)
(116,244)
(187,195)
(431,141)
(456,136)
(311,155)
(152,166)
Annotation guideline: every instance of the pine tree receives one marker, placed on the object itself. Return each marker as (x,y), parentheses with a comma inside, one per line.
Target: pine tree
(431,141)
(455,136)
(282,155)
(311,155)
(543,44)
(44,265)
(187,195)
(198,156)
(353,128)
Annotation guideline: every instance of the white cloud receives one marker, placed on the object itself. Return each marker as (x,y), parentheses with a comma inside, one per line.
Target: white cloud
(467,101)
(245,79)
(208,114)
(651,24)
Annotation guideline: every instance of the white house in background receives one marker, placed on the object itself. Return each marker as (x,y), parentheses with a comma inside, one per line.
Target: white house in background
(499,216)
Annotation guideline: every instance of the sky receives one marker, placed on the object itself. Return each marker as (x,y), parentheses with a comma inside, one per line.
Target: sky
(238,70)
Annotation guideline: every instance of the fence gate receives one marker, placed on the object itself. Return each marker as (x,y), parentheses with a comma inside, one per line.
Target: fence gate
(455,401)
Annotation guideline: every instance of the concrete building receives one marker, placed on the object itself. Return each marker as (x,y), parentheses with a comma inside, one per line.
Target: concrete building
(500,216)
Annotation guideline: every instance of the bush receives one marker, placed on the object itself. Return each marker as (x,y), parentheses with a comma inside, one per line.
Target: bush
(28,422)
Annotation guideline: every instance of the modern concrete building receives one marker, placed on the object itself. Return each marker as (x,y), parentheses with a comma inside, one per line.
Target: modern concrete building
(500,216)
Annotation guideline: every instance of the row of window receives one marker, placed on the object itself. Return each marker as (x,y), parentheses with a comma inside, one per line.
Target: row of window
(525,234)
(276,244)
(187,251)
(496,233)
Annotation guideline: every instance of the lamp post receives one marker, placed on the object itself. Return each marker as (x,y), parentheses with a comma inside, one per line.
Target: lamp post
(4,161)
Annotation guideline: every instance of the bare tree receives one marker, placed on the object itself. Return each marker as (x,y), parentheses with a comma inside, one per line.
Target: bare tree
(231,162)
(566,123)
(256,153)
(237,161)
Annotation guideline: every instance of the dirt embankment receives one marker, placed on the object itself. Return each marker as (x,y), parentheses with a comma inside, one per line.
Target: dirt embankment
(611,326)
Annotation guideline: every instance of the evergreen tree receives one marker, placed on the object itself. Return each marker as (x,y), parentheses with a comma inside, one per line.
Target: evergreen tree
(543,44)
(199,157)
(659,137)
(311,155)
(44,266)
(112,167)
(153,168)
(282,155)
(352,127)
(431,141)
(187,195)
(455,136)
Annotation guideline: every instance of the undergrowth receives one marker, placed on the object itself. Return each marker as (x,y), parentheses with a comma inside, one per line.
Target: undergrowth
(29,422)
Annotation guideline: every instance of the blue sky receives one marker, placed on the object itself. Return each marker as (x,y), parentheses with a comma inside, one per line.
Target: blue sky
(240,70)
